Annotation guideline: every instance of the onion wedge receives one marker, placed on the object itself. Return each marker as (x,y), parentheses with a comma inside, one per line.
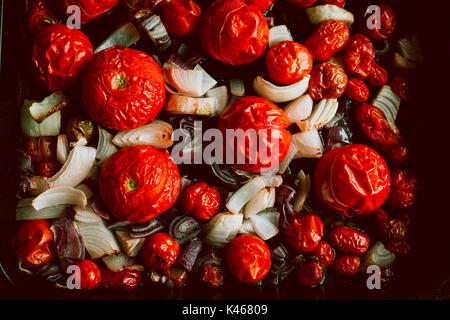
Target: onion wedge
(245,194)
(59,196)
(131,246)
(157,134)
(279,94)
(299,109)
(322,113)
(115,262)
(62,148)
(222,228)
(187,82)
(24,211)
(31,128)
(263,227)
(208,82)
(303,182)
(237,87)
(322,13)
(98,239)
(55,102)
(125,36)
(308,144)
(85,214)
(265,198)
(377,255)
(389,103)
(105,146)
(177,104)
(278,34)
(221,95)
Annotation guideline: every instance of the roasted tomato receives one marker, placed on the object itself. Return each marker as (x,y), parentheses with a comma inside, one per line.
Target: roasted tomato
(378,76)
(90,275)
(262,5)
(349,240)
(263,141)
(384,28)
(328,81)
(40,15)
(357,90)
(310,274)
(40,148)
(90,9)
(123,280)
(358,56)
(394,231)
(305,233)
(288,62)
(48,168)
(212,274)
(59,55)
(327,39)
(32,242)
(123,88)
(177,274)
(400,84)
(139,183)
(233,32)
(201,200)
(248,258)
(347,264)
(325,253)
(180,17)
(303,3)
(339,3)
(404,189)
(160,251)
(351,180)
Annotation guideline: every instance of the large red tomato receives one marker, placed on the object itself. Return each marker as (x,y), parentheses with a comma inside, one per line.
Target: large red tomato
(233,32)
(59,55)
(139,183)
(123,88)
(266,140)
(91,9)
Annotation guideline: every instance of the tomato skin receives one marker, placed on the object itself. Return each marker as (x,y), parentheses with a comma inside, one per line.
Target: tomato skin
(59,55)
(90,9)
(139,183)
(259,114)
(48,168)
(400,84)
(40,148)
(240,27)
(357,90)
(303,3)
(180,17)
(328,81)
(404,189)
(388,23)
(325,253)
(305,233)
(378,76)
(339,3)
(358,56)
(248,258)
(201,200)
(310,275)
(327,39)
(262,5)
(288,62)
(347,264)
(212,274)
(40,15)
(160,251)
(32,242)
(90,275)
(349,240)
(123,280)
(394,231)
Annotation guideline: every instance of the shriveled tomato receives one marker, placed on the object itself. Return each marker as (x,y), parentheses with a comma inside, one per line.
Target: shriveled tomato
(357,90)
(40,15)
(327,39)
(90,9)
(325,253)
(59,55)
(394,231)
(384,28)
(40,148)
(303,3)
(160,251)
(288,62)
(201,200)
(310,274)
(139,183)
(305,232)
(48,168)
(378,76)
(123,88)
(123,280)
(349,240)
(32,242)
(233,32)
(400,84)
(404,188)
(177,274)
(262,5)
(358,56)
(180,17)
(263,140)
(351,180)
(248,258)
(328,81)
(347,264)
(339,3)
(90,275)
(212,274)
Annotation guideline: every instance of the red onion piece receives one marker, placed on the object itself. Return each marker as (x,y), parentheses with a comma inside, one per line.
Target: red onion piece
(99,208)
(69,243)
(190,254)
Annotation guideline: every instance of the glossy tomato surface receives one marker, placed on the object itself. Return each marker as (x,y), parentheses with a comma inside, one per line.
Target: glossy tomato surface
(304,233)
(180,17)
(201,200)
(160,251)
(90,275)
(90,9)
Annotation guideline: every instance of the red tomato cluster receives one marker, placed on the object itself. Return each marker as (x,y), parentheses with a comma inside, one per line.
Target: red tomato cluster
(201,200)
(180,17)
(160,251)
(304,233)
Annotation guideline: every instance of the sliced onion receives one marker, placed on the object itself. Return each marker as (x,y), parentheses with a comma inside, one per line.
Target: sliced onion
(272,215)
(124,36)
(55,102)
(98,239)
(177,104)
(246,227)
(278,94)
(190,254)
(99,208)
(409,48)
(62,148)
(322,113)
(157,134)
(187,82)
(272,180)
(278,34)
(221,95)
(299,109)
(263,227)
(85,214)
(31,128)
(141,230)
(222,228)
(184,228)
(377,255)
(237,87)
(303,182)
(284,164)
(208,82)
(115,262)
(389,103)
(403,63)
(24,211)
(105,147)
(244,194)
(263,199)
(58,196)
(308,144)
(157,32)
(69,243)
(130,245)
(322,13)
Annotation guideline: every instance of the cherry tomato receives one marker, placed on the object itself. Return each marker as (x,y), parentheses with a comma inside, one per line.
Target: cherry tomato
(262,5)
(40,148)
(404,189)
(212,274)
(358,56)
(90,275)
(328,81)
(139,183)
(90,9)
(400,84)
(305,233)
(377,75)
(180,17)
(233,32)
(327,39)
(122,280)
(59,55)
(248,258)
(339,3)
(394,231)
(387,23)
(288,62)
(48,168)
(325,253)
(177,274)
(349,240)
(201,200)
(160,251)
(123,88)
(40,15)
(303,3)
(32,242)
(310,274)
(346,264)
(266,142)
(357,90)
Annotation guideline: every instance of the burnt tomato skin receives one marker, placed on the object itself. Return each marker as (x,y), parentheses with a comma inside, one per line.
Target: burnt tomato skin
(90,9)
(123,88)
(139,183)
(59,55)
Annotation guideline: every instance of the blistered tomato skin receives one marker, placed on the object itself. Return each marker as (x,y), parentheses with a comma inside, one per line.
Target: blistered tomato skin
(90,9)
(358,56)
(387,23)
(347,264)
(328,81)
(288,62)
(325,253)
(90,275)
(180,17)
(233,32)
(378,76)
(404,189)
(139,183)
(349,240)
(248,258)
(357,90)
(268,123)
(40,15)
(201,200)
(327,39)
(310,275)
(123,280)
(59,55)
(262,5)
(123,88)
(339,3)
(305,233)
(160,251)
(303,3)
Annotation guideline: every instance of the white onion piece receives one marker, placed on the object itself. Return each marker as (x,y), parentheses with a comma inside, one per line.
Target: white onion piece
(272,215)
(157,134)
(62,148)
(322,113)
(208,82)
(55,102)
(85,214)
(177,104)
(263,227)
(131,246)
(388,102)
(271,180)
(377,255)
(308,144)
(221,95)
(222,228)
(86,190)
(246,227)
(410,49)
(116,262)
(77,167)
(98,239)
(284,164)
(237,87)
(31,128)
(322,13)
(24,211)
(403,63)
(187,82)
(244,194)
(278,34)
(58,196)
(299,109)
(105,147)
(263,199)
(303,182)
(279,94)
(125,36)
